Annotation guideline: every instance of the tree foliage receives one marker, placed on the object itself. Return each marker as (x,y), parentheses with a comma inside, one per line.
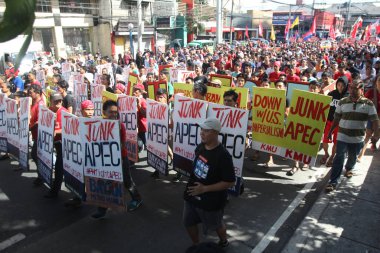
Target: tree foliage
(18,19)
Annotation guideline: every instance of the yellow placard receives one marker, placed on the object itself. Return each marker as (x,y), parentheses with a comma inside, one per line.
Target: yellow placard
(132,81)
(268,113)
(106,95)
(242,98)
(226,80)
(184,89)
(306,121)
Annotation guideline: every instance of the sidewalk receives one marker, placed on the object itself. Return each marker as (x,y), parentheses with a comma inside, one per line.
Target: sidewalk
(347,220)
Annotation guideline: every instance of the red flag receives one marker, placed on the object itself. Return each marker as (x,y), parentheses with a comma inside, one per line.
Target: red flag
(367,32)
(313,27)
(358,23)
(246,32)
(260,30)
(332,32)
(287,28)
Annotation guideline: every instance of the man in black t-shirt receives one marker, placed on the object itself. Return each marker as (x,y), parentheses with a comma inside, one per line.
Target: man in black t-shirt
(206,192)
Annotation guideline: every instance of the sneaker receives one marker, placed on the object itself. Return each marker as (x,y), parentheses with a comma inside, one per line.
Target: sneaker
(38,182)
(100,214)
(133,205)
(177,177)
(330,187)
(348,174)
(155,174)
(223,244)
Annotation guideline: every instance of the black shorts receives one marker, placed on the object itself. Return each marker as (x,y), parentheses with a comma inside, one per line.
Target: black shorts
(211,220)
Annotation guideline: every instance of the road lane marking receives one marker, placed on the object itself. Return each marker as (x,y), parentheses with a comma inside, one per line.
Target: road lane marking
(270,235)
(12,240)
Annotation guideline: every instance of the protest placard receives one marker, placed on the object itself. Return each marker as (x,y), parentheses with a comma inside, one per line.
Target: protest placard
(173,74)
(187,114)
(132,81)
(225,79)
(162,67)
(3,124)
(154,86)
(45,144)
(127,107)
(242,101)
(12,127)
(157,115)
(97,79)
(24,132)
(72,151)
(66,72)
(40,76)
(306,122)
(96,97)
(106,69)
(102,162)
(295,86)
(184,89)
(268,113)
(234,123)
(183,74)
(80,95)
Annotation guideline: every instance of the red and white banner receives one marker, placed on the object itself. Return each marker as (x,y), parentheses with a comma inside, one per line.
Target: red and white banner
(157,115)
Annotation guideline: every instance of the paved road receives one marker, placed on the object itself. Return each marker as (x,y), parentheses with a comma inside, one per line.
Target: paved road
(262,219)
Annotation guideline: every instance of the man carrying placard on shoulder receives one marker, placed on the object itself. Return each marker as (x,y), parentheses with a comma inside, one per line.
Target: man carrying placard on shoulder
(206,192)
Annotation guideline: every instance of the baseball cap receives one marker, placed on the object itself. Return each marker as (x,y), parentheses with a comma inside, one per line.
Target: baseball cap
(56,96)
(211,123)
(87,104)
(139,86)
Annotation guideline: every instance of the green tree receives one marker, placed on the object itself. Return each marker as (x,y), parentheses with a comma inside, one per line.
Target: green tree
(18,19)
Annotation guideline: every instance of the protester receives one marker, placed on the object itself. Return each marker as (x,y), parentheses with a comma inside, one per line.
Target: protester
(351,114)
(206,192)
(56,101)
(110,112)
(68,100)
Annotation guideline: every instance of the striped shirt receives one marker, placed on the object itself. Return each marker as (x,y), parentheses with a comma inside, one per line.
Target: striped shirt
(353,118)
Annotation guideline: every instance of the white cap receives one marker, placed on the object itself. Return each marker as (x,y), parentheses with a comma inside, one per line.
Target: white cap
(211,123)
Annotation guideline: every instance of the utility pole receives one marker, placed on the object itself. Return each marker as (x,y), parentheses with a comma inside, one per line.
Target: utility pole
(231,18)
(219,22)
(139,26)
(348,16)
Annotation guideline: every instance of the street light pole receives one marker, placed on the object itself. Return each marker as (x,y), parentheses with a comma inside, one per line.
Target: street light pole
(130,28)
(140,25)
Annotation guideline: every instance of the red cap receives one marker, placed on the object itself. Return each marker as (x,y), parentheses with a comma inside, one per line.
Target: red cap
(277,63)
(87,104)
(120,87)
(139,86)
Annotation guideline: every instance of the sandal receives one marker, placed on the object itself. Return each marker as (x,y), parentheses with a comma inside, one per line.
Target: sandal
(348,174)
(324,159)
(330,188)
(292,171)
(330,162)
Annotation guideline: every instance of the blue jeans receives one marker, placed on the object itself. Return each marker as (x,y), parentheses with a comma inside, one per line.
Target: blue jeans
(353,150)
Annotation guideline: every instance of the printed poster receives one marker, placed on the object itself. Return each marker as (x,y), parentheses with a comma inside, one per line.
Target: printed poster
(72,151)
(187,114)
(24,132)
(157,115)
(127,107)
(96,97)
(12,127)
(45,144)
(102,162)
(3,124)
